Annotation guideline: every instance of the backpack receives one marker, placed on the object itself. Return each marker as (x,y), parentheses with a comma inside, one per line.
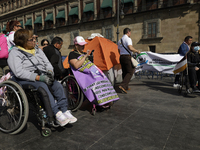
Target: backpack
(3,45)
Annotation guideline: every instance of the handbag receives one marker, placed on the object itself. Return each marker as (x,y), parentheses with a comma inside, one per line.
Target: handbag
(133,61)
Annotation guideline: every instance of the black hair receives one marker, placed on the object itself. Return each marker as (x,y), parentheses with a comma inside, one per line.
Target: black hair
(126,30)
(56,40)
(42,42)
(187,38)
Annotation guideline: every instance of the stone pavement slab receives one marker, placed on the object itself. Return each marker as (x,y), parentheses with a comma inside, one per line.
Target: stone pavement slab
(152,116)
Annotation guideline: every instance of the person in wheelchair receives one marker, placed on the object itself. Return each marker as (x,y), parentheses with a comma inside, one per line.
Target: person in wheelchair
(94,84)
(193,60)
(30,66)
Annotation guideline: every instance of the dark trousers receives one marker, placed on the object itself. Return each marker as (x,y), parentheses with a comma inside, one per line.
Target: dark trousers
(198,78)
(57,91)
(127,70)
(192,77)
(177,76)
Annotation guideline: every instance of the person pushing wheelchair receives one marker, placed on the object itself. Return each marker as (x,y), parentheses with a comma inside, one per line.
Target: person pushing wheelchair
(29,65)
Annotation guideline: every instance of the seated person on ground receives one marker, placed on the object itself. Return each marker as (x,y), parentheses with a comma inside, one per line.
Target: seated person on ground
(27,63)
(193,65)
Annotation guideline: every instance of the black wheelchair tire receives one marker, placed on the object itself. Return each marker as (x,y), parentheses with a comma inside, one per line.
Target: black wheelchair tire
(80,95)
(24,106)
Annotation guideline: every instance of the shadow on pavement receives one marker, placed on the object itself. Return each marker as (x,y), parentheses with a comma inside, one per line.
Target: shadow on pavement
(164,86)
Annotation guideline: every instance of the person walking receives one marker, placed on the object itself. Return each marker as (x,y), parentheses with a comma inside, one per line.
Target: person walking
(183,49)
(126,48)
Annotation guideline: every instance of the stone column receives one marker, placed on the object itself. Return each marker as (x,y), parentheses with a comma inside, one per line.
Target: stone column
(95,9)
(66,16)
(54,16)
(32,17)
(79,11)
(113,8)
(42,15)
(135,6)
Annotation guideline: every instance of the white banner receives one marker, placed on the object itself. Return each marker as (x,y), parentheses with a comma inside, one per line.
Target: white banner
(157,62)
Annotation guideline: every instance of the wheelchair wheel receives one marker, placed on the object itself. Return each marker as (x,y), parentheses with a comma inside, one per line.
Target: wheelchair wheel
(14,107)
(73,92)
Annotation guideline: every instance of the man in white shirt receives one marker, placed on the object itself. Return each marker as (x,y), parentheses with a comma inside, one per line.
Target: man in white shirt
(126,49)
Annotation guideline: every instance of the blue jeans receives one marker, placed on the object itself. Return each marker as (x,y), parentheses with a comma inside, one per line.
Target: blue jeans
(57,91)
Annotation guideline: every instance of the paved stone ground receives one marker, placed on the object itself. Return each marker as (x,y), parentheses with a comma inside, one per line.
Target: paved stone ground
(152,116)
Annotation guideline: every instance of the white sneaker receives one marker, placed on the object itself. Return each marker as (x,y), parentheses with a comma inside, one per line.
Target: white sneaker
(61,119)
(176,85)
(70,116)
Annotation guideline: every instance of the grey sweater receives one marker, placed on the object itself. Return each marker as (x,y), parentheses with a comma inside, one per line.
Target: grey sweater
(21,66)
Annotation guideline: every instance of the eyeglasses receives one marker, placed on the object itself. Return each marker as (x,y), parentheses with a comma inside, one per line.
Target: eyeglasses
(19,26)
(45,44)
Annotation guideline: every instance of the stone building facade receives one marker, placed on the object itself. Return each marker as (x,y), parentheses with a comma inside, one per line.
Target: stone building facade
(157,25)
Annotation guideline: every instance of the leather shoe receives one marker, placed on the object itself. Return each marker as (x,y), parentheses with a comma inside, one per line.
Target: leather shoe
(128,89)
(122,89)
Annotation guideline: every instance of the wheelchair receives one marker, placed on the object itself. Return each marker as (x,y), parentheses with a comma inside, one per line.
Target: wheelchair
(73,92)
(16,101)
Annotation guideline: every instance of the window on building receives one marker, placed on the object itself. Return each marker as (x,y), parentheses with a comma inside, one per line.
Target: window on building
(107,12)
(179,2)
(49,21)
(28,24)
(12,5)
(165,3)
(106,7)
(60,18)
(38,23)
(139,5)
(73,15)
(152,48)
(48,24)
(26,2)
(17,3)
(152,29)
(88,12)
(20,3)
(108,33)
(128,6)
(151,4)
